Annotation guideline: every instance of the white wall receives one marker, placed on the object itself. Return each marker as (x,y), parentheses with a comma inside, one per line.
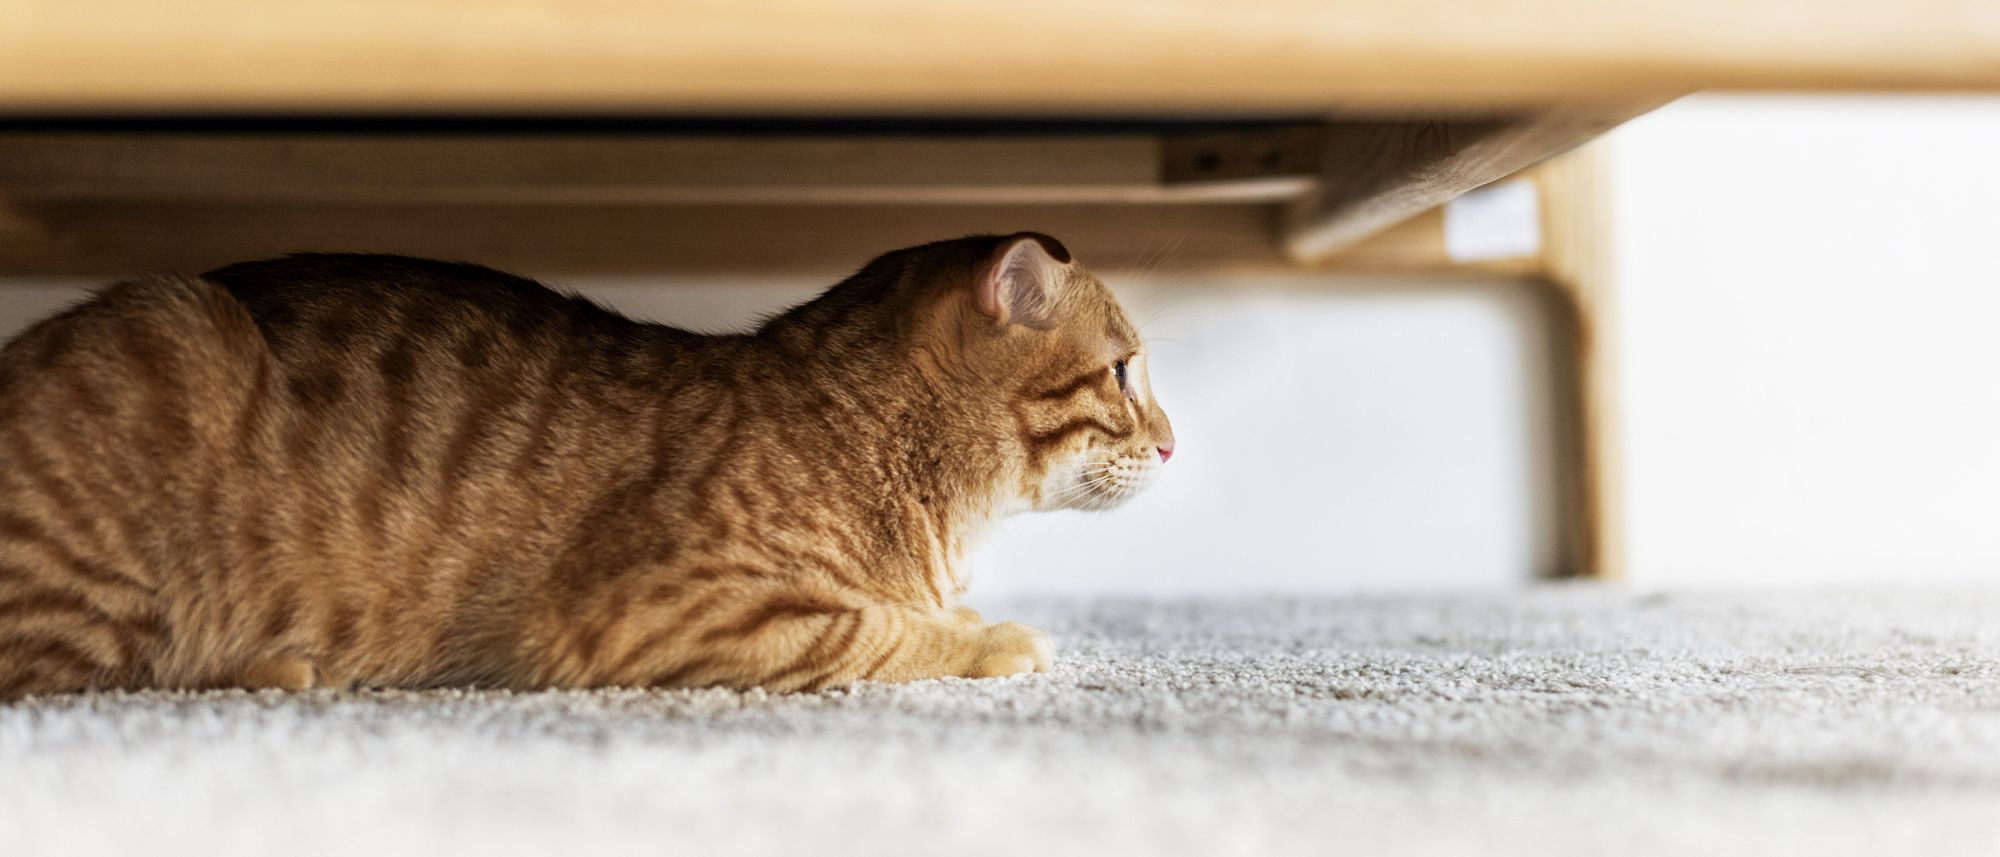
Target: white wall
(1333,435)
(1328,437)
(1810,337)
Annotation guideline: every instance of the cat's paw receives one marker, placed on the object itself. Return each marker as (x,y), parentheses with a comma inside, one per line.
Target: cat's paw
(279,672)
(1010,648)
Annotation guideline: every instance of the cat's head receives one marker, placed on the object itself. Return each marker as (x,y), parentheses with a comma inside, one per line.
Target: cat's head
(1084,430)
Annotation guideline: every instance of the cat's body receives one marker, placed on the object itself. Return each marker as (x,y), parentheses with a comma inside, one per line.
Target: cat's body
(373,471)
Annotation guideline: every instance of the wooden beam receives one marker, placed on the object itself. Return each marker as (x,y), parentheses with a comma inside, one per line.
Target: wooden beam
(1375,174)
(724,240)
(526,168)
(20,232)
(123,238)
(881,56)
(1273,152)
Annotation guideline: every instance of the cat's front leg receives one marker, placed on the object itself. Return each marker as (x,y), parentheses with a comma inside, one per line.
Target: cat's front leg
(1009,648)
(786,642)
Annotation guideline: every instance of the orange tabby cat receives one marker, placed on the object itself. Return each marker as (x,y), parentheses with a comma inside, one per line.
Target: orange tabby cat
(341,471)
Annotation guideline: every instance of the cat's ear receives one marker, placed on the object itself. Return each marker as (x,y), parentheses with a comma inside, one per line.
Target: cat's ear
(1023,279)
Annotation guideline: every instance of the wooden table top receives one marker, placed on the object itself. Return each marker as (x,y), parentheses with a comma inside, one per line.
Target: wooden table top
(1046,57)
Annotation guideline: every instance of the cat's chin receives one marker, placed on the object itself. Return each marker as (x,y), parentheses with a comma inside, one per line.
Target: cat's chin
(1099,503)
(1100,485)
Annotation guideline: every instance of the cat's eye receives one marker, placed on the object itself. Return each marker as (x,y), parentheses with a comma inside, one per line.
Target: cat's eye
(1118,371)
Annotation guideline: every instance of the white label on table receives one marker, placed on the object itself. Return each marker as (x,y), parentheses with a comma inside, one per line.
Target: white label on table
(1498,221)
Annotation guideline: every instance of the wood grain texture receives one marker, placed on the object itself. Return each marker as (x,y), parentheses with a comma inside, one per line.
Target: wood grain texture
(977,55)
(1375,174)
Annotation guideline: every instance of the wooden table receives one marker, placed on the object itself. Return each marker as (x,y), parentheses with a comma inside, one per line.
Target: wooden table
(798,136)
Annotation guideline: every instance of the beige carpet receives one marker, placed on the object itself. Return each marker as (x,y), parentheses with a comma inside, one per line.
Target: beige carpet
(1558,721)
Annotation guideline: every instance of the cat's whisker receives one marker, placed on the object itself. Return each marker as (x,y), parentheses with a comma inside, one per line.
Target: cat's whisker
(1084,487)
(1162,316)
(1150,264)
(1173,252)
(1081,488)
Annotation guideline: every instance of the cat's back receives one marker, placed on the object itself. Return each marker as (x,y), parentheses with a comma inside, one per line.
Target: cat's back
(326,305)
(165,354)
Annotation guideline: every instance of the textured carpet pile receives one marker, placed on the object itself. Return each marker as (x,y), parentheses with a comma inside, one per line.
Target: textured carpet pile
(1558,721)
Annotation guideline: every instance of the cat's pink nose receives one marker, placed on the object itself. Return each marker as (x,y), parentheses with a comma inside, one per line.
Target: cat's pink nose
(1166,452)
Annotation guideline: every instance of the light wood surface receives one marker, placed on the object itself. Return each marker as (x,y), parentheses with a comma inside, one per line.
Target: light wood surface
(1044,56)
(1577,269)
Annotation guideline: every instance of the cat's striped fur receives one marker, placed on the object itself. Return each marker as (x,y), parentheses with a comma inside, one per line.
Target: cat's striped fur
(377,471)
